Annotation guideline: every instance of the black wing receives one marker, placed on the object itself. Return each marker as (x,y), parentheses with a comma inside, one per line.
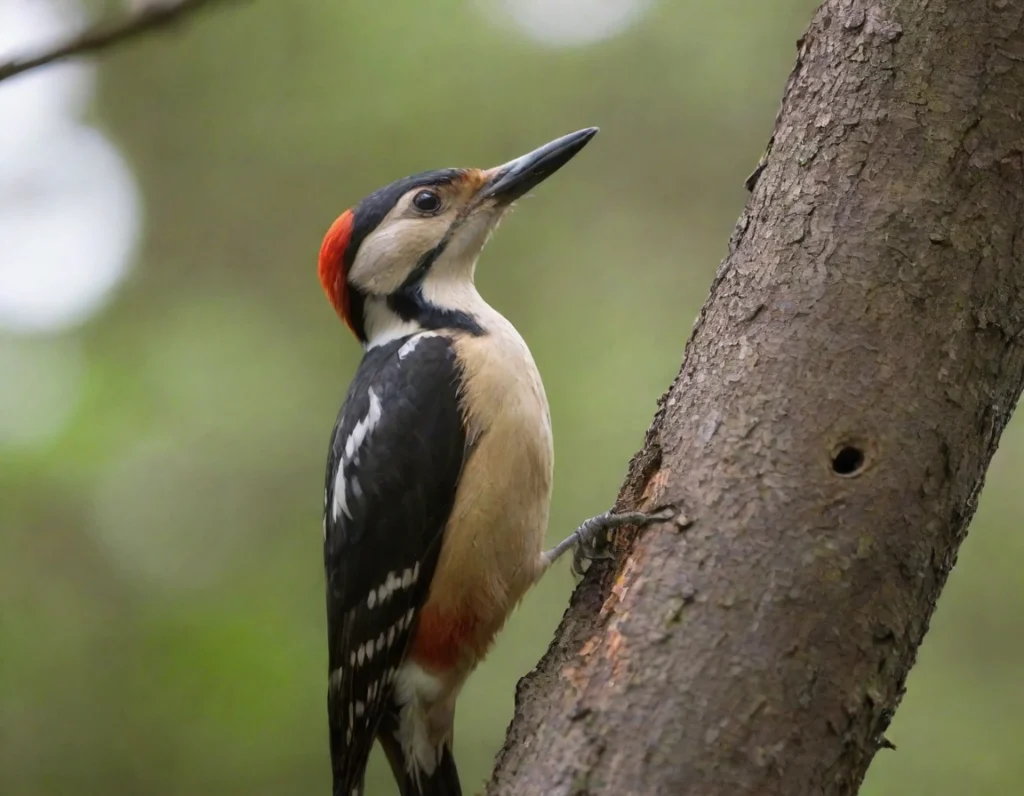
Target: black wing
(392,471)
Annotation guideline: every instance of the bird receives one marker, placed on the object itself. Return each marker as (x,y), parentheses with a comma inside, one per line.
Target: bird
(439,469)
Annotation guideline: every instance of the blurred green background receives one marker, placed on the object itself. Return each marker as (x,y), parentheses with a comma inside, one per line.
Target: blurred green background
(162,625)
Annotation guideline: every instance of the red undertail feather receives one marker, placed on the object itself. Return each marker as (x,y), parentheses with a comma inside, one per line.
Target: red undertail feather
(331,267)
(442,641)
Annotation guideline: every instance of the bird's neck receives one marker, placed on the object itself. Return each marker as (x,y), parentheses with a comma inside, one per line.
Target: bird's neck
(433,305)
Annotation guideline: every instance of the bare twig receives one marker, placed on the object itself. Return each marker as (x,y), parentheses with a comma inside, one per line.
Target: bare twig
(146,18)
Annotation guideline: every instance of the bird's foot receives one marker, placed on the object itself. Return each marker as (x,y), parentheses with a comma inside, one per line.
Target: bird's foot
(591,539)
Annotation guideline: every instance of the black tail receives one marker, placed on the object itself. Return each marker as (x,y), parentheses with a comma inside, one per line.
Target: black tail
(443,781)
(341,789)
(348,781)
(348,761)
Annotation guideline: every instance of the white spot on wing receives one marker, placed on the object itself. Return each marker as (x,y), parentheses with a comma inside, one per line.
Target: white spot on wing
(392,583)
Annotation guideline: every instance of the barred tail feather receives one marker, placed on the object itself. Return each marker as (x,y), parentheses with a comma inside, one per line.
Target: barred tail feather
(443,781)
(350,754)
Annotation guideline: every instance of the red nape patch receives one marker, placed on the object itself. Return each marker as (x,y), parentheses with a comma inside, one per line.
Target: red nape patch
(443,640)
(331,268)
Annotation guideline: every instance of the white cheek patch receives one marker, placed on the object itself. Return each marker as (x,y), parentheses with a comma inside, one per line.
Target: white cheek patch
(388,254)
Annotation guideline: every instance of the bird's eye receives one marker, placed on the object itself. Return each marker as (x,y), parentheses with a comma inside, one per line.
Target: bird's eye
(426,202)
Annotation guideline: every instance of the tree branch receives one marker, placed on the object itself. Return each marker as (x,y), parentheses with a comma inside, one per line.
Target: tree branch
(842,394)
(149,17)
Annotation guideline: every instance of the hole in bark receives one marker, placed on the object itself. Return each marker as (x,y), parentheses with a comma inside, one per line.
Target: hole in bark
(848,460)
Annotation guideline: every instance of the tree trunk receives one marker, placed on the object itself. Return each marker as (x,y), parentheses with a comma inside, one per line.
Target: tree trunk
(839,401)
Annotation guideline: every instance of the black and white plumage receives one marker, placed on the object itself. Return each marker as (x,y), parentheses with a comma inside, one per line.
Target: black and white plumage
(440,467)
(393,466)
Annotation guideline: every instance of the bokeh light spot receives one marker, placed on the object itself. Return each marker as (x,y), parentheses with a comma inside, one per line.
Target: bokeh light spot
(34,102)
(69,220)
(566,23)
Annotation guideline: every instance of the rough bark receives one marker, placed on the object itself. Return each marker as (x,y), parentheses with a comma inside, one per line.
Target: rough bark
(844,389)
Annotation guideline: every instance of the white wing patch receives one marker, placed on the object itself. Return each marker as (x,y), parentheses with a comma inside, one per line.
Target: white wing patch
(350,454)
(410,345)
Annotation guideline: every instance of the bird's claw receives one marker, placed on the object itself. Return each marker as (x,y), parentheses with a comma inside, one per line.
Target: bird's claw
(593,541)
(595,548)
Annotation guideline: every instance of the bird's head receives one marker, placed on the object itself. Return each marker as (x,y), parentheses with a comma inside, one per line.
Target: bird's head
(403,258)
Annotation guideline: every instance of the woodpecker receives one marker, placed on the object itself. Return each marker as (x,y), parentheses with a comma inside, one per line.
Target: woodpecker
(439,470)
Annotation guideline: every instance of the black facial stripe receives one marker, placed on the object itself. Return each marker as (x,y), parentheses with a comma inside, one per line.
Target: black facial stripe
(419,273)
(366,217)
(409,304)
(357,311)
(368,214)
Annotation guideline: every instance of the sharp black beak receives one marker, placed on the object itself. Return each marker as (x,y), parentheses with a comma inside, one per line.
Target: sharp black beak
(511,180)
